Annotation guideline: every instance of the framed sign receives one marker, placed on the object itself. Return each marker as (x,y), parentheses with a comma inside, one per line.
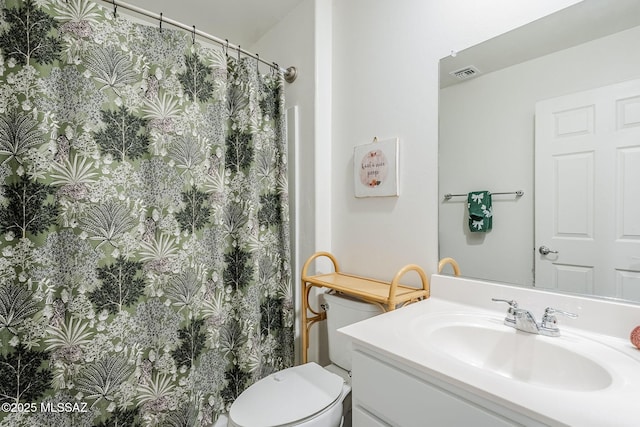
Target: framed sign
(375,169)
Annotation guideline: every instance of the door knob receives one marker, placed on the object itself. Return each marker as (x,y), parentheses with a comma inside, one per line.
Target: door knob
(546,251)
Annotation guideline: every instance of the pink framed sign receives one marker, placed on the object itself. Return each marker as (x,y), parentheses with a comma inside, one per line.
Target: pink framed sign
(375,169)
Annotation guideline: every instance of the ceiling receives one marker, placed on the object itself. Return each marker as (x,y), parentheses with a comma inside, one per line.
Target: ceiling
(574,25)
(242,22)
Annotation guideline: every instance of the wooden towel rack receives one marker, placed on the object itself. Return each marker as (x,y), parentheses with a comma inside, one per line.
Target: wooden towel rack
(387,295)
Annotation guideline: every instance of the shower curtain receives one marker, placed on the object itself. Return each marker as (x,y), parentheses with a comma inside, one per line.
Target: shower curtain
(145,276)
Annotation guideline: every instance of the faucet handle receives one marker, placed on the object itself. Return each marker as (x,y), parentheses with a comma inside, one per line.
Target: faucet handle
(510,319)
(512,303)
(551,310)
(549,321)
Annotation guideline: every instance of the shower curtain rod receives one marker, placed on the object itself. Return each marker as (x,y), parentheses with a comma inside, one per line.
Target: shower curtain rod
(289,73)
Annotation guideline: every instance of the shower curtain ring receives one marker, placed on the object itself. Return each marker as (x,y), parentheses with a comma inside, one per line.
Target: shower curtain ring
(258,63)
(226,48)
(238,53)
(160,21)
(193,35)
(115,9)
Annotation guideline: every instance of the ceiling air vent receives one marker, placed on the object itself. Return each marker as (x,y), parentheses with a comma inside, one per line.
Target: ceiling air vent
(466,72)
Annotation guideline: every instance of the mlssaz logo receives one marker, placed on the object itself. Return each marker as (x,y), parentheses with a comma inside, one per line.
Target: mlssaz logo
(63,407)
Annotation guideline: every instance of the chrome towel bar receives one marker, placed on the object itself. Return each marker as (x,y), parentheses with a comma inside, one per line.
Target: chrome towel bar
(518,193)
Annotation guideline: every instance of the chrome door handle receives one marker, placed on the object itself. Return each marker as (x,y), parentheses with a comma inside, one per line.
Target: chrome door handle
(546,251)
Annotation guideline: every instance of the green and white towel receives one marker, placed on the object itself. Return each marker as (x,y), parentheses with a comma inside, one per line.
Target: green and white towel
(480,211)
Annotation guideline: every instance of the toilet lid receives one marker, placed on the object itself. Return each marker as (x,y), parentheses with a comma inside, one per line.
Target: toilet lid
(286,396)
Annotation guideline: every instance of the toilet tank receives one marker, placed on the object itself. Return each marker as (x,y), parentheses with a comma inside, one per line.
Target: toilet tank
(343,310)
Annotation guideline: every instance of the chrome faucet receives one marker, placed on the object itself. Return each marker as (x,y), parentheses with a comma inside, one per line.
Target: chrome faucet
(524,320)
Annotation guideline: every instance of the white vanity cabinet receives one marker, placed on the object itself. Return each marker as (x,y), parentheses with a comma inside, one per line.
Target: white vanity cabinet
(385,393)
(451,361)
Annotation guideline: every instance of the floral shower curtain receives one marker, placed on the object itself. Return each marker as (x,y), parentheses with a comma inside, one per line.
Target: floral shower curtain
(144,277)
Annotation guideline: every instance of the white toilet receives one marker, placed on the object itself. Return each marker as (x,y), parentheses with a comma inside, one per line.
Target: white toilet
(307,395)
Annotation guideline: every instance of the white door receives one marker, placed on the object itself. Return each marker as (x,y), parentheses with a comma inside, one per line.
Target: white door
(587,192)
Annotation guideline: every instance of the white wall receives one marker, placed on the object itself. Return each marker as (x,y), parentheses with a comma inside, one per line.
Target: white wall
(487,142)
(385,84)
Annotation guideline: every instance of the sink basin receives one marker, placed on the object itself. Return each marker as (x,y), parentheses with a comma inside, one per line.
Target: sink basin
(537,360)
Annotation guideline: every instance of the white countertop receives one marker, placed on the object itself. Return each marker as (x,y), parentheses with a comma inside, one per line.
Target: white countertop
(602,325)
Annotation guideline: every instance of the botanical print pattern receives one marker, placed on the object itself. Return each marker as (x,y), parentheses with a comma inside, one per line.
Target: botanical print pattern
(144,277)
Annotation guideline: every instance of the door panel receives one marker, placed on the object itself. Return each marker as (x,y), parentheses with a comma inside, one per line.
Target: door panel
(587,191)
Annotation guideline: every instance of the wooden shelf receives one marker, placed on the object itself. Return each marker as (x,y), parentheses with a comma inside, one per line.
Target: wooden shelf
(387,295)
